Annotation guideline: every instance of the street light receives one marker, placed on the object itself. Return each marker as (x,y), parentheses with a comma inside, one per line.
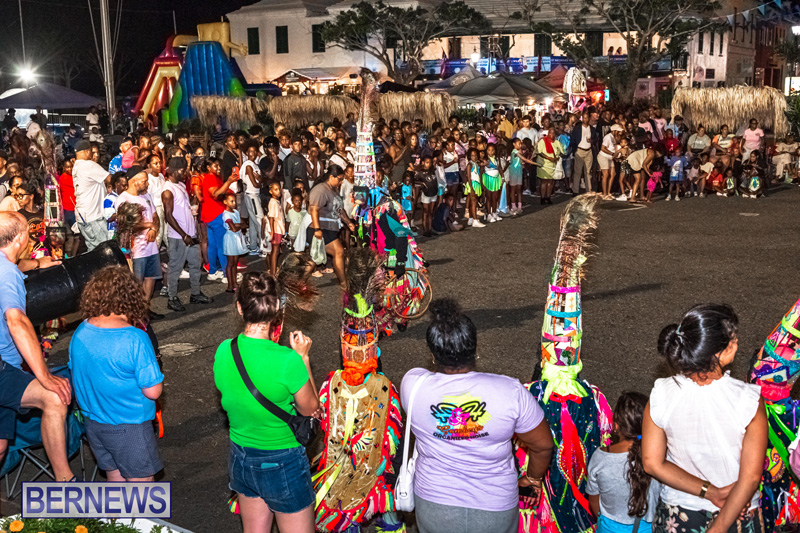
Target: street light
(796,30)
(26,75)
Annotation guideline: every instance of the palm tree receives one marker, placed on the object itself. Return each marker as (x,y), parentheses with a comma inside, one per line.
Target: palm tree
(789,50)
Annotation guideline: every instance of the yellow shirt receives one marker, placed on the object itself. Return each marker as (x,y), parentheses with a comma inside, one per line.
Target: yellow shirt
(505,128)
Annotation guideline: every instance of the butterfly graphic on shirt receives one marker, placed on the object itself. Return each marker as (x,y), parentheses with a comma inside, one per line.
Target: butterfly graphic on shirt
(459,414)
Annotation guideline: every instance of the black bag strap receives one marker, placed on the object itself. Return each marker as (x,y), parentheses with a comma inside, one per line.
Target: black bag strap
(636,524)
(263,400)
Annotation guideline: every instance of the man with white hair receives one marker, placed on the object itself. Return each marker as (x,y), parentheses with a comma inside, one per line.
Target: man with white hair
(20,390)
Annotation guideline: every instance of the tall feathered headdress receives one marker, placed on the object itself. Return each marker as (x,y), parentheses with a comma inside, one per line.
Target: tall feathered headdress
(359,325)
(365,175)
(778,364)
(562,328)
(294,277)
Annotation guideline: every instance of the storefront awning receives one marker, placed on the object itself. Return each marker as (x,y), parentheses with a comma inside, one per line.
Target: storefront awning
(303,75)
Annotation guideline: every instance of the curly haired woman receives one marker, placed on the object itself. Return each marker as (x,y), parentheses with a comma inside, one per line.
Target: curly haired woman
(116,376)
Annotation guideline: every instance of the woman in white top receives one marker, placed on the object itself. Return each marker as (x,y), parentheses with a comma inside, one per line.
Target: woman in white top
(705,433)
(250,175)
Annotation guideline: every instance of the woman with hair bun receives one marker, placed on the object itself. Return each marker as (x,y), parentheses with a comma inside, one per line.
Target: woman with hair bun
(463,420)
(705,433)
(267,467)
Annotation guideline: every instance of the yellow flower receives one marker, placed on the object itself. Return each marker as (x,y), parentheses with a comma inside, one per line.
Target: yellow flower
(81,529)
(16,525)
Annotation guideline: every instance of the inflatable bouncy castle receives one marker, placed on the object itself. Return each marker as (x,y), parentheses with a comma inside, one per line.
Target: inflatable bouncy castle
(204,68)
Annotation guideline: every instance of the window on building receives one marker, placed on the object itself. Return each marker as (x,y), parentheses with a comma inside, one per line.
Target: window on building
(710,73)
(504,46)
(253,42)
(700,43)
(594,42)
(721,41)
(484,42)
(454,47)
(391,39)
(712,36)
(542,45)
(317,43)
(281,39)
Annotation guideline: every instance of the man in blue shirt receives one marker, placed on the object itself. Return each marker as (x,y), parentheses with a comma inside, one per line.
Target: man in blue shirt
(19,390)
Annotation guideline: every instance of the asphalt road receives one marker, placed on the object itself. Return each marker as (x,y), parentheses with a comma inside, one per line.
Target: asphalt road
(650,264)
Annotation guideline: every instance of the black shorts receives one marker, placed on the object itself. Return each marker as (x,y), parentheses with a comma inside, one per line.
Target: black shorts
(328,235)
(13,383)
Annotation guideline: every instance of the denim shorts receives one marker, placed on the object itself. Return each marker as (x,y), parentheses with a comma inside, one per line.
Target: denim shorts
(13,383)
(452,178)
(147,267)
(130,448)
(282,478)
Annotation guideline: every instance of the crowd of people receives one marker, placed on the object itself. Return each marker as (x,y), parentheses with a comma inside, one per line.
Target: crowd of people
(184,209)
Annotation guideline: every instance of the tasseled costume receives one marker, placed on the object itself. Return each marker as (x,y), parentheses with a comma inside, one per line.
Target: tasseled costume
(578,413)
(361,414)
(776,369)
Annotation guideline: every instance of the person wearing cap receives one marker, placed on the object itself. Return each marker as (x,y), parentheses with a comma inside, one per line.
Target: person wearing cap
(146,262)
(294,166)
(605,159)
(116,163)
(181,236)
(91,182)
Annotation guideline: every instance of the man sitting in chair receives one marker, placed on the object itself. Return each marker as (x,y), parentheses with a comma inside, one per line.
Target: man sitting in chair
(19,390)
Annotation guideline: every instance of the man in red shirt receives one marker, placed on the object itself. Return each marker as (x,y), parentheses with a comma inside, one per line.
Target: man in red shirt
(68,203)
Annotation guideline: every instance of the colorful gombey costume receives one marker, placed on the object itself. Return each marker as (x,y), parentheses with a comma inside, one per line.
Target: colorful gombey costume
(578,413)
(775,370)
(361,415)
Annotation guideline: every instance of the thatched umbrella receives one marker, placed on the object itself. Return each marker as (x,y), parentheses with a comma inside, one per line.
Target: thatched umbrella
(239,112)
(297,111)
(429,107)
(714,106)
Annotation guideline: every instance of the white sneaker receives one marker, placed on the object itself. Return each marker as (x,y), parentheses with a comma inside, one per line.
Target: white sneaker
(621,198)
(677,198)
(239,277)
(526,192)
(480,213)
(184,275)
(695,193)
(491,219)
(702,195)
(669,198)
(745,195)
(470,221)
(720,194)
(218,275)
(478,224)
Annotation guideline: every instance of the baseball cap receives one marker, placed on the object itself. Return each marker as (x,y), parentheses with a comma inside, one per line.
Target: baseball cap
(82,145)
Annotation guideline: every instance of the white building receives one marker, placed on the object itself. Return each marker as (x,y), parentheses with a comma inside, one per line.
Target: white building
(285,45)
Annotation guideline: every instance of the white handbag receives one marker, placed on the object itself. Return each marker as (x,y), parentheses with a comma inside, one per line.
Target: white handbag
(404,486)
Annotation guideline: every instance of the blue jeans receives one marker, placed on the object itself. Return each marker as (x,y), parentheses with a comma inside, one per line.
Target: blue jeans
(281,478)
(216,251)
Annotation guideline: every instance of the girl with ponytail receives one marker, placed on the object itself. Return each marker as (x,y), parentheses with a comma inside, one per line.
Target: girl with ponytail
(705,433)
(620,492)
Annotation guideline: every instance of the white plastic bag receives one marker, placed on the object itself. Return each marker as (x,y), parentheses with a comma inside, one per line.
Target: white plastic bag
(318,251)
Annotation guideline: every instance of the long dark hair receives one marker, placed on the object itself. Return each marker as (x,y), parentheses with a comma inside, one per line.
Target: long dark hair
(693,346)
(628,414)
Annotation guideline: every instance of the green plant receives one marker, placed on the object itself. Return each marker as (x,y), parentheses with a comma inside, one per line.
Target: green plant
(793,113)
(71,525)
(467,116)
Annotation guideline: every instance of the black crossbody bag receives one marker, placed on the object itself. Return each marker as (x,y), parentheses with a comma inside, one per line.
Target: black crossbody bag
(305,428)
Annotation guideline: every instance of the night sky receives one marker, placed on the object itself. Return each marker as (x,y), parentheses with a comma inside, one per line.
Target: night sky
(58,34)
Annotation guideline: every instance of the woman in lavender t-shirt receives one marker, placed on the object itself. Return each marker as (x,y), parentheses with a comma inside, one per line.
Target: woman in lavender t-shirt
(463,421)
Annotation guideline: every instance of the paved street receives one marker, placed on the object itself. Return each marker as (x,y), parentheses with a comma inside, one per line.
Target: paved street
(650,265)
